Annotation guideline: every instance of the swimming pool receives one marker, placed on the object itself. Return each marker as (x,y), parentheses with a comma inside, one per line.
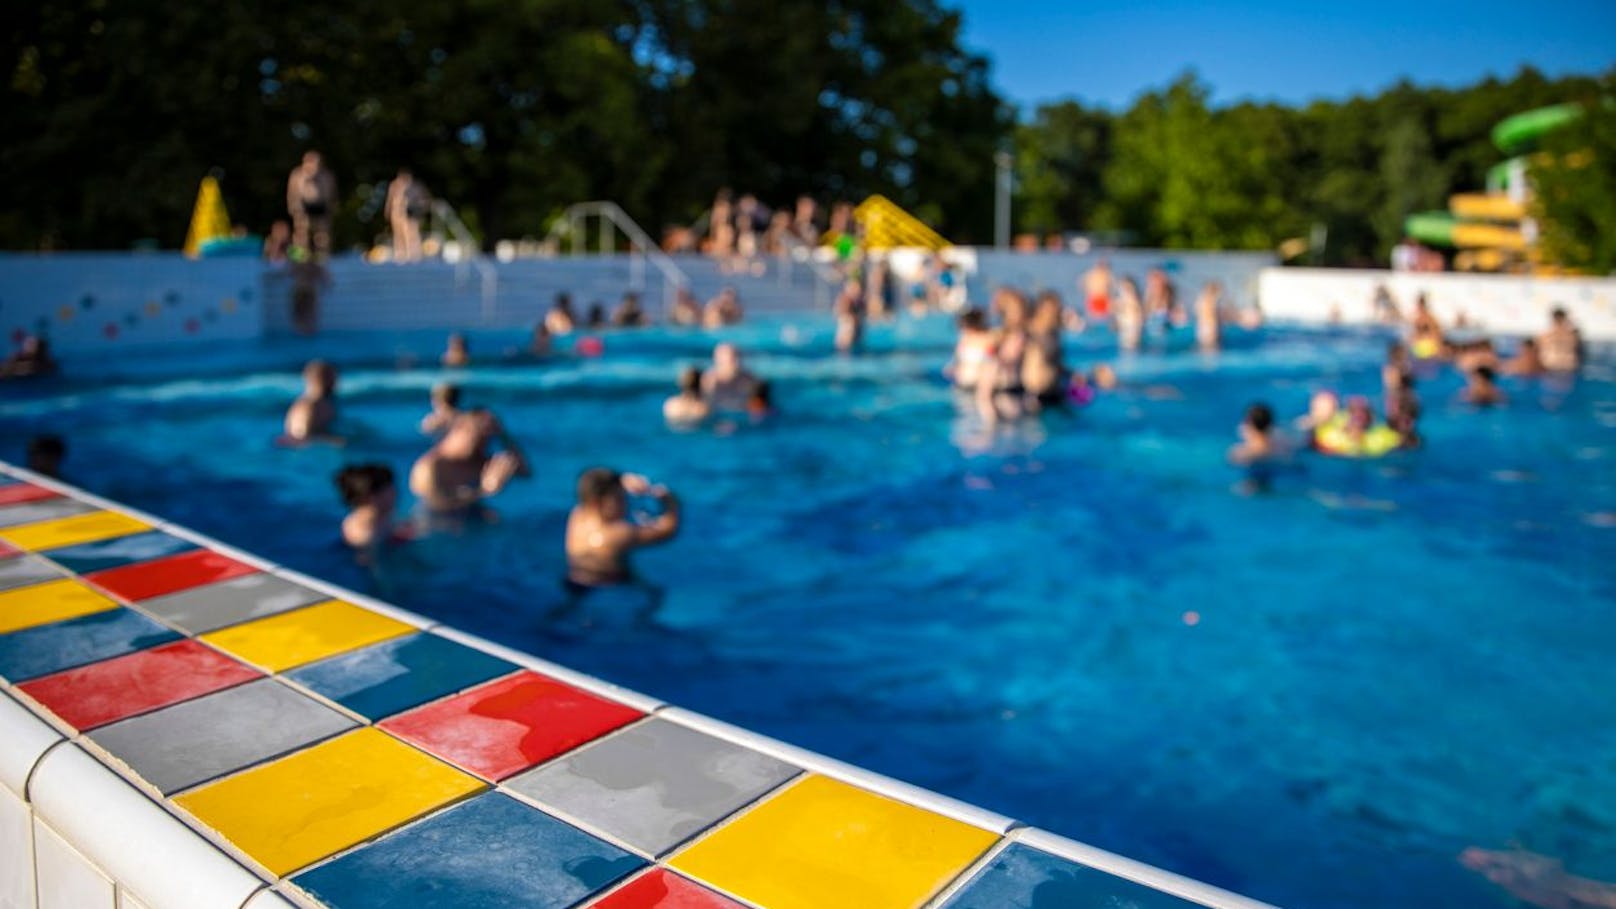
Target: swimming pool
(1393,660)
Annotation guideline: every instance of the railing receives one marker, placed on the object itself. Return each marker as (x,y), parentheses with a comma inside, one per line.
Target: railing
(796,253)
(573,225)
(469,255)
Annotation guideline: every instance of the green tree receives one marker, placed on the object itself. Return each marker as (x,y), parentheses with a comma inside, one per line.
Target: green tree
(1574,181)
(1060,159)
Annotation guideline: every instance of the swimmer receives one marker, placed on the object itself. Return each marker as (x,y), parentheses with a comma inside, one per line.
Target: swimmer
(45,454)
(314,413)
(628,313)
(371,496)
(688,406)
(458,472)
(1043,366)
(726,384)
(601,533)
(1258,440)
(542,344)
(1526,362)
(1208,330)
(1482,390)
(33,358)
(1096,286)
(1398,368)
(560,319)
(849,310)
(596,319)
(972,352)
(1322,408)
(1427,341)
(1561,346)
(999,393)
(724,309)
(1473,355)
(445,408)
(686,308)
(1538,879)
(1403,413)
(1130,315)
(1161,296)
(760,406)
(456,353)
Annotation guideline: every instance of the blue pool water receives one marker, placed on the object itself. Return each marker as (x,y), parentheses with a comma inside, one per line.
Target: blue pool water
(1394,660)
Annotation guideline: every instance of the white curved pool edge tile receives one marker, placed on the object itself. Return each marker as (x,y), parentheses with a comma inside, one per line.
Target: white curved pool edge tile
(26,738)
(137,842)
(847,773)
(224,549)
(71,491)
(605,689)
(269,899)
(1138,872)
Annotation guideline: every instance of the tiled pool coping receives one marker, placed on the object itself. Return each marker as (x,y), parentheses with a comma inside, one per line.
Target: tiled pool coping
(333,750)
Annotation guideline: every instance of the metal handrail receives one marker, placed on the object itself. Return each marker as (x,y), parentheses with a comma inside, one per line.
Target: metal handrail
(471,255)
(642,248)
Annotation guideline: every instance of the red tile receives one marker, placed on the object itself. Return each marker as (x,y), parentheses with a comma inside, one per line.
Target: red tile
(7,550)
(145,580)
(100,693)
(509,724)
(18,493)
(662,889)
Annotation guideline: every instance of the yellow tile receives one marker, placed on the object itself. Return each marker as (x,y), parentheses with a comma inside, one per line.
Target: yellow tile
(304,807)
(80,528)
(824,843)
(304,635)
(52,601)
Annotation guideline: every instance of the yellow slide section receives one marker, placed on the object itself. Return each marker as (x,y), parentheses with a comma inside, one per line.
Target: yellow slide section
(1496,236)
(1486,207)
(887,226)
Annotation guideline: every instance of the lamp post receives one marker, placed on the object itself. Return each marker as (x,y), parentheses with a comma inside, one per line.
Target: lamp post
(1001,202)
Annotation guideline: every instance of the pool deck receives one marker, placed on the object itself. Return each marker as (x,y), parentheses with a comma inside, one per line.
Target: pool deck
(184,724)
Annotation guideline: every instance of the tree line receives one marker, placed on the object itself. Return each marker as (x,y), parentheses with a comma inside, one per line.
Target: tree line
(512,109)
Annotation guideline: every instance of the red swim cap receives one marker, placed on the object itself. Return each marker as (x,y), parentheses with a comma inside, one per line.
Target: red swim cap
(590,347)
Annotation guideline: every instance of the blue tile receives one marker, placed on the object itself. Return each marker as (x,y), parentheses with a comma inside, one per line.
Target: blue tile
(1021,877)
(396,675)
(492,851)
(140,547)
(51,648)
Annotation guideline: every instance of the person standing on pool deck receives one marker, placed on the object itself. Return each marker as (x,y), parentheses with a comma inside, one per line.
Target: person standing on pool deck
(311,200)
(1097,289)
(406,208)
(601,534)
(458,472)
(314,413)
(1561,346)
(726,384)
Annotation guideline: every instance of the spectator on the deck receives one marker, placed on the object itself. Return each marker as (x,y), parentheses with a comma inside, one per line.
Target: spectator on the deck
(407,206)
(311,200)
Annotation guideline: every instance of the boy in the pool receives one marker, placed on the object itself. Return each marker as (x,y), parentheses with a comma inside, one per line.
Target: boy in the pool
(314,413)
(458,472)
(445,408)
(1258,440)
(601,533)
(371,496)
(1483,389)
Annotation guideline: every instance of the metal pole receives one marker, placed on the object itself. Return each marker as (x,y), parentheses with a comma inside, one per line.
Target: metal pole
(1001,206)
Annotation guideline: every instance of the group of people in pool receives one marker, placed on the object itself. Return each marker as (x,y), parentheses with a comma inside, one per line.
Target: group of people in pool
(1352,429)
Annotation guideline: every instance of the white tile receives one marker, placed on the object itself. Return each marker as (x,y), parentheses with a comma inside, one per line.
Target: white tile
(26,737)
(66,879)
(126,900)
(16,853)
(134,839)
(268,899)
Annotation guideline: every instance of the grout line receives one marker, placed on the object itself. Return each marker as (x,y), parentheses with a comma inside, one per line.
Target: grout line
(967,874)
(28,780)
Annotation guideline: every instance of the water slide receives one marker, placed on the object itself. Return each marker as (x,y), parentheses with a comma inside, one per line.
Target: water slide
(1487,225)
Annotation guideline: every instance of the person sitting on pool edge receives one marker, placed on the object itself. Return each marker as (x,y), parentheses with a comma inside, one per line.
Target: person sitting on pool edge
(458,472)
(314,413)
(456,353)
(601,533)
(372,497)
(445,407)
(727,384)
(1482,390)
(687,407)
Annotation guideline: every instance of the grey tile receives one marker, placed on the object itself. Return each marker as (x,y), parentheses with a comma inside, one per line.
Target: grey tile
(213,606)
(42,510)
(185,744)
(654,785)
(24,570)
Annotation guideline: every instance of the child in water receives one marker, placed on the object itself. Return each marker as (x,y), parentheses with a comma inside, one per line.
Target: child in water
(445,407)
(1258,440)
(1483,389)
(372,497)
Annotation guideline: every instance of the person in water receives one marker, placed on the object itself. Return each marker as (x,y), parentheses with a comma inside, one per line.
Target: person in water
(1259,441)
(1130,315)
(1427,339)
(1526,362)
(727,385)
(596,319)
(688,407)
(1539,880)
(1043,366)
(601,533)
(459,472)
(1208,328)
(628,313)
(972,352)
(456,353)
(760,406)
(45,455)
(445,408)
(371,496)
(1398,368)
(33,358)
(1322,409)
(541,345)
(849,310)
(1403,413)
(560,319)
(1561,346)
(314,413)
(686,309)
(724,309)
(1096,284)
(999,393)
(1482,389)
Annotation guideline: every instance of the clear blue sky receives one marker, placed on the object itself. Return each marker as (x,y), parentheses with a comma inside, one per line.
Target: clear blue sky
(1294,52)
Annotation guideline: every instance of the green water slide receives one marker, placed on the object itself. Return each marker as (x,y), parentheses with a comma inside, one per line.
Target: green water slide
(1517,134)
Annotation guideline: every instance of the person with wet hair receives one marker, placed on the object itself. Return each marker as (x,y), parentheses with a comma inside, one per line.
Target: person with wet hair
(601,531)
(314,414)
(689,406)
(369,492)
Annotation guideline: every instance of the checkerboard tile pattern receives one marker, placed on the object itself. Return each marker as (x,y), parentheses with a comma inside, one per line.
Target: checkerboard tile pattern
(360,761)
